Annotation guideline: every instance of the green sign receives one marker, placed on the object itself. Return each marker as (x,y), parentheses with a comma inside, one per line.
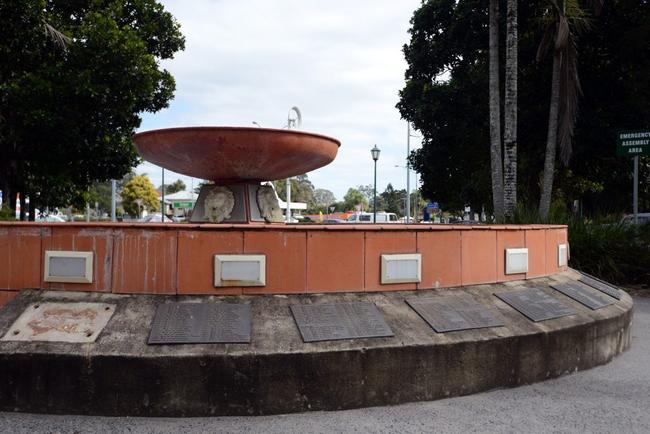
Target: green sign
(632,143)
(182,204)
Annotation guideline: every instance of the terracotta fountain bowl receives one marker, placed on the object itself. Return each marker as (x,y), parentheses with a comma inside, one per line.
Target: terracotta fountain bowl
(236,154)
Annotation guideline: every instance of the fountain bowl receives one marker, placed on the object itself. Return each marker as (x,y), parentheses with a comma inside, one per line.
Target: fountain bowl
(236,154)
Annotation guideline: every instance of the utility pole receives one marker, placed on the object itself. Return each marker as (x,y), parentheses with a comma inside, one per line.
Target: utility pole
(162,203)
(408,173)
(113,199)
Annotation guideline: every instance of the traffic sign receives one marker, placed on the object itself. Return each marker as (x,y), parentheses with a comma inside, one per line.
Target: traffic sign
(632,143)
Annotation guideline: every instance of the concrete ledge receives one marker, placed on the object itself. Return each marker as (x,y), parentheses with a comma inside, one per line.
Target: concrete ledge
(278,373)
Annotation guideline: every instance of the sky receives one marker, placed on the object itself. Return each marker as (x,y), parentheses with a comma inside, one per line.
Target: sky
(339,62)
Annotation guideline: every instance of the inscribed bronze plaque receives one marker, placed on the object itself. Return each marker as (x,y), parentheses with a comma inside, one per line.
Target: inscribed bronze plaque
(583,294)
(535,304)
(601,286)
(61,322)
(329,322)
(201,323)
(449,313)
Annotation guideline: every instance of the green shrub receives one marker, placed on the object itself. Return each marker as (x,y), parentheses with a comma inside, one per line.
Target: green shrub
(616,253)
(6,214)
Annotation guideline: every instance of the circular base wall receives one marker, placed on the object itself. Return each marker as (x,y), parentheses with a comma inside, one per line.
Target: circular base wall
(277,372)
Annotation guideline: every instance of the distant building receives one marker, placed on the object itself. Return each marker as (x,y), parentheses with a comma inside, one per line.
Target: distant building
(181,203)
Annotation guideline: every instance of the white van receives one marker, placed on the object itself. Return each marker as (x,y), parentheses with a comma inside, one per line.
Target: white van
(366,217)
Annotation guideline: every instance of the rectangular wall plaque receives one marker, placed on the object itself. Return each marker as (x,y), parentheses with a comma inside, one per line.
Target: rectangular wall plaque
(68,267)
(535,304)
(201,323)
(561,255)
(601,286)
(328,322)
(401,268)
(448,313)
(239,270)
(516,261)
(583,294)
(61,322)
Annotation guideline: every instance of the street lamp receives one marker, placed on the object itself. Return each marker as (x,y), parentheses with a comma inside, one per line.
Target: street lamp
(375,156)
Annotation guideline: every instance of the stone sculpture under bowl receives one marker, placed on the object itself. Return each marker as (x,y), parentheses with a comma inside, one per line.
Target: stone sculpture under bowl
(237,160)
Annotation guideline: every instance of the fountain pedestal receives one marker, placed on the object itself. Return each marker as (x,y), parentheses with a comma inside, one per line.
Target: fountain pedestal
(237,203)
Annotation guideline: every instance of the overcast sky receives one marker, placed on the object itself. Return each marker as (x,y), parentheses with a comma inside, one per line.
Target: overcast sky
(340,62)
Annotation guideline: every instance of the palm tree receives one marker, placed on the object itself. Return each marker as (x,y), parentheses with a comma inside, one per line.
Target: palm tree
(510,114)
(568,20)
(495,113)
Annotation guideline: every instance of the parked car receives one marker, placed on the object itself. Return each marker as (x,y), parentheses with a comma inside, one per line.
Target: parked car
(367,217)
(155,218)
(642,217)
(50,218)
(333,221)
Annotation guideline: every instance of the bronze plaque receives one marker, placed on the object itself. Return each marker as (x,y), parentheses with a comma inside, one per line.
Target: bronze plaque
(61,322)
(329,322)
(201,323)
(601,286)
(448,313)
(583,294)
(535,304)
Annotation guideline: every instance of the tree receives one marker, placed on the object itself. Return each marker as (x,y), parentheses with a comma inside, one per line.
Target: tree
(302,190)
(393,200)
(323,199)
(510,114)
(174,187)
(451,110)
(565,86)
(353,198)
(67,115)
(495,114)
(139,194)
(101,192)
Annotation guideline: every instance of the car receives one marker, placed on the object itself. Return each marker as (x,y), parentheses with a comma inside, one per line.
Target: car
(50,218)
(366,217)
(642,217)
(333,221)
(154,218)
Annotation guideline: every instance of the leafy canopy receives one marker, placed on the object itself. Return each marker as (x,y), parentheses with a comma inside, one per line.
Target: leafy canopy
(67,114)
(446,98)
(139,189)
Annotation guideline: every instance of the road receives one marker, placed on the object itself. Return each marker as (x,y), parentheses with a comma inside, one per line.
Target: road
(610,398)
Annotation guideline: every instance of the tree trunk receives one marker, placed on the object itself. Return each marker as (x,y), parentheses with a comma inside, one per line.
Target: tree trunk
(510,114)
(495,114)
(23,206)
(551,140)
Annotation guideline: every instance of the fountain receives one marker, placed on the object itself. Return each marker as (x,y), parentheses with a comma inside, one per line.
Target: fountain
(236,159)
(278,318)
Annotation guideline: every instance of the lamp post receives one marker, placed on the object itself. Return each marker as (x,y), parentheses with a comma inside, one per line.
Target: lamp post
(375,156)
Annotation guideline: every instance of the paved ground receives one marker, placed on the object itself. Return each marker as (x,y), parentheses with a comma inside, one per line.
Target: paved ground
(611,398)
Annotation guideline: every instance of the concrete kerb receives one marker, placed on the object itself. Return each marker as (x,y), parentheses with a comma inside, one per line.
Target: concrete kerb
(278,373)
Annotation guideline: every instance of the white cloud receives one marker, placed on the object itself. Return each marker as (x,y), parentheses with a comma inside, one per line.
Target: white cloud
(340,62)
